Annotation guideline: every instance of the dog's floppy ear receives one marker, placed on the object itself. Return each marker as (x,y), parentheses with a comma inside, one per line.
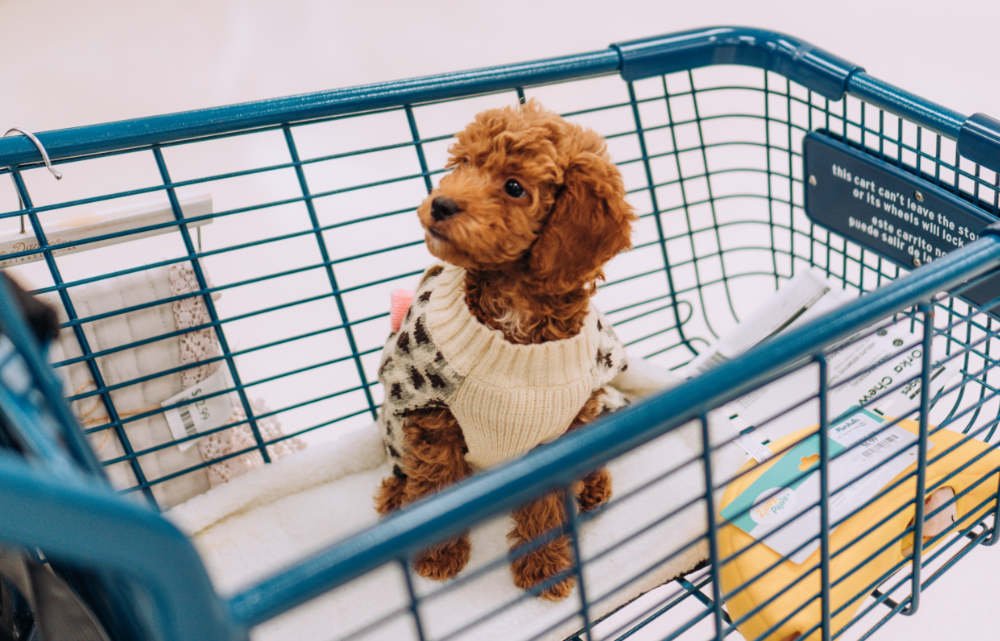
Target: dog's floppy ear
(589,224)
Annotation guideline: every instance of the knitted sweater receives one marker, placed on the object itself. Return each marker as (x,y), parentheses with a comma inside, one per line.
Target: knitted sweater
(507,398)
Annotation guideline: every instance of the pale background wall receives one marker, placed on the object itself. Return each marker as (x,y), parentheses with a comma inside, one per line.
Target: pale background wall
(70,63)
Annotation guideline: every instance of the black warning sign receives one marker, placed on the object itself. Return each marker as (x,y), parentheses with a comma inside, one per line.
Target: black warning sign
(884,208)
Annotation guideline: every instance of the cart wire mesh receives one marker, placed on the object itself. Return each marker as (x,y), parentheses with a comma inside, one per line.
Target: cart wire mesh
(283,281)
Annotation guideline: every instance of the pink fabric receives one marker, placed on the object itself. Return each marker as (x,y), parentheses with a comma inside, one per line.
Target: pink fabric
(401,301)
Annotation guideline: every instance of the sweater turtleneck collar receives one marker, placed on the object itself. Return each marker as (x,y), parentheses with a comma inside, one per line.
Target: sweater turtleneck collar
(479,351)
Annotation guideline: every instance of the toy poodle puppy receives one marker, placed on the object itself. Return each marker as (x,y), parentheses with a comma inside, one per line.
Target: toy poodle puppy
(501,350)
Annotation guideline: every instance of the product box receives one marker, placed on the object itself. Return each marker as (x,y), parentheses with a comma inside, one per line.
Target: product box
(865,455)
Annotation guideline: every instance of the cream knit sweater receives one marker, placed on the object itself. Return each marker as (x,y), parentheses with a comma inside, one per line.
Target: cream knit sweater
(508,398)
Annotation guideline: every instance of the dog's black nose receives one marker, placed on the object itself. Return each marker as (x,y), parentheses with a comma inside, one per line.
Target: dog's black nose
(443,207)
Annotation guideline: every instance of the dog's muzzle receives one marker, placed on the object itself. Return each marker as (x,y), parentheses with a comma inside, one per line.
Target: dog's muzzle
(443,208)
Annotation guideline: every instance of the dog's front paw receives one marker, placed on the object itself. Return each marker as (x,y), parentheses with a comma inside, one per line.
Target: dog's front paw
(535,570)
(444,560)
(391,494)
(594,490)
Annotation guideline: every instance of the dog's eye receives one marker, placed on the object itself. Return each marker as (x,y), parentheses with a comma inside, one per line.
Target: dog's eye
(513,188)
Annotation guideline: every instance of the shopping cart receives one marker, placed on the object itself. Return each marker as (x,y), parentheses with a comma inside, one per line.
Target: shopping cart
(312,224)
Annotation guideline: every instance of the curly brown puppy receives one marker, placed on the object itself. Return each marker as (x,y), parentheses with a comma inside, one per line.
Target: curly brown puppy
(502,350)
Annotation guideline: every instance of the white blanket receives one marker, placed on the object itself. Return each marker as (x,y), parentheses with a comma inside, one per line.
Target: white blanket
(277,514)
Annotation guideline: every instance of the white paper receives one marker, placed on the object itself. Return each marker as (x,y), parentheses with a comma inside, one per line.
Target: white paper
(795,298)
(200,414)
(122,221)
(763,415)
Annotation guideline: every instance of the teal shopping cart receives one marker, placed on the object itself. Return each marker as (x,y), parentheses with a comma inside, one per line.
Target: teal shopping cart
(264,238)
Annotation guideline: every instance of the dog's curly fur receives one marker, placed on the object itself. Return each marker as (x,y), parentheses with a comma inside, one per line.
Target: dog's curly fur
(532,264)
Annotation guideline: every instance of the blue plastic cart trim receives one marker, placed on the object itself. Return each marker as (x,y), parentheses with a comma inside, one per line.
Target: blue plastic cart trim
(979,140)
(810,66)
(121,535)
(14,327)
(139,132)
(907,105)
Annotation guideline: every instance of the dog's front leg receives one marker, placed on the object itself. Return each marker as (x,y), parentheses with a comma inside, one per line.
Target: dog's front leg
(544,515)
(434,458)
(594,489)
(543,562)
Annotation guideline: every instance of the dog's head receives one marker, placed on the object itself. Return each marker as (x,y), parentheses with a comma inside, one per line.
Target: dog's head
(532,193)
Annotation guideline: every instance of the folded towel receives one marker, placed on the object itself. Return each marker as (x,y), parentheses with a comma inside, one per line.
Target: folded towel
(281,512)
(177,354)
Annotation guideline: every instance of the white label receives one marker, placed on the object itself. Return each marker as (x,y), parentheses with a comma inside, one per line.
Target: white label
(859,451)
(749,439)
(199,414)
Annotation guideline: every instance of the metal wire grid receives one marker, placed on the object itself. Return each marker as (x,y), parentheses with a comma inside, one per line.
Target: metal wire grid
(699,285)
(897,588)
(972,532)
(898,592)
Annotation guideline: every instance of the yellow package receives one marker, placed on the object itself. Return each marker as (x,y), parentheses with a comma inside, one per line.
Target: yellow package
(854,565)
